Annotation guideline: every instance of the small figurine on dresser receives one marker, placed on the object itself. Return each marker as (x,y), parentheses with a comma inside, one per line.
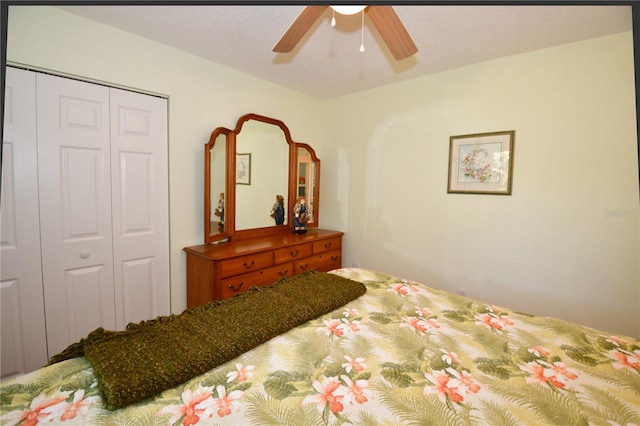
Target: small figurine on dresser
(277,211)
(300,216)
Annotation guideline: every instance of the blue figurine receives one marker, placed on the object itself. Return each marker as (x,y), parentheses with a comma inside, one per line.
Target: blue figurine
(277,211)
(300,216)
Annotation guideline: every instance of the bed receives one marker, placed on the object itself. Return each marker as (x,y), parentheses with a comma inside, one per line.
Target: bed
(402,353)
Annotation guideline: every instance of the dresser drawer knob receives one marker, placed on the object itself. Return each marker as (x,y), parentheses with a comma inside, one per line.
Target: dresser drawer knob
(335,257)
(249,265)
(328,245)
(234,288)
(294,253)
(283,273)
(304,267)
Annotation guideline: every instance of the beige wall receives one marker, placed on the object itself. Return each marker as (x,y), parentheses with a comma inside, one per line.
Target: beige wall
(564,244)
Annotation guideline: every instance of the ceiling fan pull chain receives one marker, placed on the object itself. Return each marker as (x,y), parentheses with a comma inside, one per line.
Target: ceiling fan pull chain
(362,33)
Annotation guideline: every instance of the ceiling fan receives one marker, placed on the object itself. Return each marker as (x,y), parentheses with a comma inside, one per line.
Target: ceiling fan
(384,18)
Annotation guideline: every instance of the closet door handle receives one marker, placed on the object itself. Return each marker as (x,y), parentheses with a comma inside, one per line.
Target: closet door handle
(85,254)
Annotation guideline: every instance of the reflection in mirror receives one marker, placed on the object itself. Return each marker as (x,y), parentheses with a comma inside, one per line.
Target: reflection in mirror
(215,188)
(305,181)
(218,161)
(257,167)
(269,171)
(307,184)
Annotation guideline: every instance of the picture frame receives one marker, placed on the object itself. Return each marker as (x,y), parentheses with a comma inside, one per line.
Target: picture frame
(243,169)
(481,163)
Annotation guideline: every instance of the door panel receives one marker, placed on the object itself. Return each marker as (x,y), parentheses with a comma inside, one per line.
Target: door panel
(75,205)
(135,193)
(140,205)
(8,225)
(23,333)
(83,309)
(138,277)
(13,350)
(82,183)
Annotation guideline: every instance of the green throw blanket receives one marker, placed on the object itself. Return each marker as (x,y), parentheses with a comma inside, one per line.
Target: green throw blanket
(156,355)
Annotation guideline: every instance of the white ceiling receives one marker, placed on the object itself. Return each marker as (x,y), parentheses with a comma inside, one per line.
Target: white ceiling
(327,63)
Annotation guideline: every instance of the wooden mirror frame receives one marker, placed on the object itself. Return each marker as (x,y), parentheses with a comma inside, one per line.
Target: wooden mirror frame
(230,185)
(208,237)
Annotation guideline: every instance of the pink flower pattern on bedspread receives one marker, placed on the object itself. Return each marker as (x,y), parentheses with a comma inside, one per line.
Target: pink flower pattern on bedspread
(403,353)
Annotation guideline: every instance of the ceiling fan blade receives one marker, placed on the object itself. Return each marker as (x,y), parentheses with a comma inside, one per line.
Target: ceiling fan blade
(392,31)
(299,28)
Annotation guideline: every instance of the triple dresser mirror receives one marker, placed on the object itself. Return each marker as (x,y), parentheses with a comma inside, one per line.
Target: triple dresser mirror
(245,171)
(246,168)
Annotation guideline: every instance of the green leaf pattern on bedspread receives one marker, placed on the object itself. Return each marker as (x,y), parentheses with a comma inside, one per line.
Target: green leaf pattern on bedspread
(401,354)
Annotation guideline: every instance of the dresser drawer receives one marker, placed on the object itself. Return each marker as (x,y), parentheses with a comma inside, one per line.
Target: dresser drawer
(320,262)
(289,254)
(240,265)
(327,245)
(241,283)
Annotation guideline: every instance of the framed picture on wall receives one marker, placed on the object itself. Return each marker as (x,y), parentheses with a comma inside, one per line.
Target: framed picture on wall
(481,163)
(243,169)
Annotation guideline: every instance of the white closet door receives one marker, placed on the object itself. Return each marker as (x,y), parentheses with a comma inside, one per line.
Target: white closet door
(24,346)
(75,208)
(140,206)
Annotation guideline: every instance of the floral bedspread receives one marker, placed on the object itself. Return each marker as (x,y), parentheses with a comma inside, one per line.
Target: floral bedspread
(401,354)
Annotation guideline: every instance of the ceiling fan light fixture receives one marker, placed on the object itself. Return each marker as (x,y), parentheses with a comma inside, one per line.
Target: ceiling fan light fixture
(383,17)
(348,10)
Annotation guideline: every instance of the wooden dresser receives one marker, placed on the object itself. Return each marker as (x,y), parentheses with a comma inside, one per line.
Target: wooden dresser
(219,271)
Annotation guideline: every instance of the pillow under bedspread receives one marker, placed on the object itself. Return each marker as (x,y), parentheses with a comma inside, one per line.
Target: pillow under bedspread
(156,355)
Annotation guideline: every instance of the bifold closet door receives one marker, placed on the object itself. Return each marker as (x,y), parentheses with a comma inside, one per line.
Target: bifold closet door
(74,162)
(23,345)
(139,167)
(103,207)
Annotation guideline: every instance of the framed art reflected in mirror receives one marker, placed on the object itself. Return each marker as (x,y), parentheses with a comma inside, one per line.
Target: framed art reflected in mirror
(243,169)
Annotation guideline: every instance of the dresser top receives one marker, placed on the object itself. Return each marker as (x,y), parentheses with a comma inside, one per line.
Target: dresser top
(233,248)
